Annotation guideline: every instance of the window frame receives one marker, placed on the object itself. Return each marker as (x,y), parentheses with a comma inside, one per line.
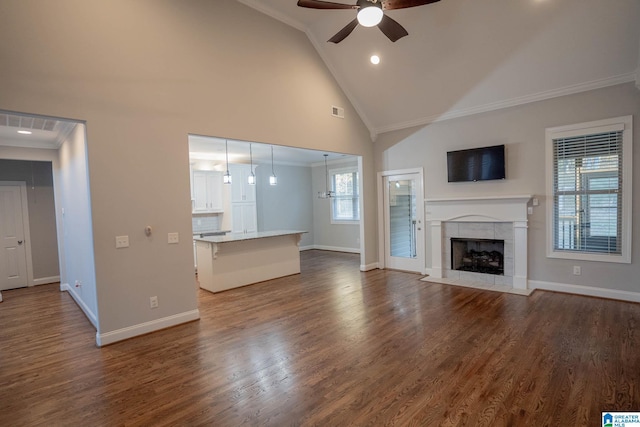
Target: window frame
(355,199)
(624,124)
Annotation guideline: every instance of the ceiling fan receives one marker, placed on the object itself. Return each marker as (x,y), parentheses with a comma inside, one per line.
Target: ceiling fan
(370,13)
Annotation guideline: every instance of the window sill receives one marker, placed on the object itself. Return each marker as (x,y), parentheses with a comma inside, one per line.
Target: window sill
(345,222)
(620,259)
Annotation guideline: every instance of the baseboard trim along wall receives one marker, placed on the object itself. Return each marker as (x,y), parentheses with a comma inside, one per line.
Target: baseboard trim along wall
(368,267)
(84,307)
(337,249)
(585,290)
(145,328)
(45,280)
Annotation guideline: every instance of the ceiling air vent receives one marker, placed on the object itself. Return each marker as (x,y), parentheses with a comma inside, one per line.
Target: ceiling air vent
(337,112)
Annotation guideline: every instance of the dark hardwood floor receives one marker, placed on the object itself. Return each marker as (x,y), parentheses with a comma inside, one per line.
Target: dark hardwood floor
(331,346)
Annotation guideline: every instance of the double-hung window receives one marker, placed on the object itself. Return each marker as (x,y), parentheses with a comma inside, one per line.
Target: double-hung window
(345,205)
(589,190)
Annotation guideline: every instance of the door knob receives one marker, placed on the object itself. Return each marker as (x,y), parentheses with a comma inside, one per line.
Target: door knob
(19,242)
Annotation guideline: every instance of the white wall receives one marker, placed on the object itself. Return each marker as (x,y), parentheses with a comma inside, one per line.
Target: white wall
(344,237)
(78,276)
(143,75)
(522,130)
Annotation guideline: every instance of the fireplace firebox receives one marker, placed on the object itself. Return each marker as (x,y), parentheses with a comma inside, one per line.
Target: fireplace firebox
(478,255)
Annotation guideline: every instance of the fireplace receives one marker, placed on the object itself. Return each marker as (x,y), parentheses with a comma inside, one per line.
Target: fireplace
(478,255)
(485,218)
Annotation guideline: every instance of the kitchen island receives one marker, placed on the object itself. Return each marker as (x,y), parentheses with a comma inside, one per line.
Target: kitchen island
(240,259)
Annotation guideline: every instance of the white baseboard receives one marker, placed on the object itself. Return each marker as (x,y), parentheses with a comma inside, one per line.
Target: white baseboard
(428,271)
(145,328)
(84,307)
(585,290)
(337,249)
(306,248)
(368,267)
(45,280)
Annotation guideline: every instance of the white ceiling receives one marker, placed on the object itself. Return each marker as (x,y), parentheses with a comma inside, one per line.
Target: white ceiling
(46,132)
(468,56)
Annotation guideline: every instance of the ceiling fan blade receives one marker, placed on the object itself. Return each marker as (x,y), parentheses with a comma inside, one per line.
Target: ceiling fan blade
(392,29)
(403,4)
(318,4)
(343,33)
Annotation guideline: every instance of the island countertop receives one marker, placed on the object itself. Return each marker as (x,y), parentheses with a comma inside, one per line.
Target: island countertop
(240,259)
(237,237)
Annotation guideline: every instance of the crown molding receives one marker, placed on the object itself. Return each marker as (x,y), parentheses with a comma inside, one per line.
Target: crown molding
(43,145)
(63,132)
(540,96)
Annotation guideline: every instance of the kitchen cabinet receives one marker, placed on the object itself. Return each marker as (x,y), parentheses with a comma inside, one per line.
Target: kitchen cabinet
(207,191)
(244,218)
(243,215)
(241,190)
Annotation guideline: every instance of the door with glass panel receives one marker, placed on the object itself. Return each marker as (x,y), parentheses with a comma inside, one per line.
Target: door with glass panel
(404,223)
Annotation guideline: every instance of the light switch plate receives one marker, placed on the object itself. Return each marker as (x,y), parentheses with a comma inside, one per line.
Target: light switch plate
(173,238)
(122,242)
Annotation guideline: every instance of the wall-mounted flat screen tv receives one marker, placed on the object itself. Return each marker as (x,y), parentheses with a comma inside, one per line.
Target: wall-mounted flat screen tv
(476,164)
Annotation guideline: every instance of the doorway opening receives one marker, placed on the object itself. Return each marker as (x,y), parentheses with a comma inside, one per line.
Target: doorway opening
(47,156)
(401,220)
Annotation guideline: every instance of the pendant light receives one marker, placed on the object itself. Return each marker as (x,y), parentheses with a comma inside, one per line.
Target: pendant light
(273,179)
(326,194)
(227,176)
(251,179)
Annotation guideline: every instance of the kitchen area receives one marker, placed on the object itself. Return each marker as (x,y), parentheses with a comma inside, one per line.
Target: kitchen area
(255,207)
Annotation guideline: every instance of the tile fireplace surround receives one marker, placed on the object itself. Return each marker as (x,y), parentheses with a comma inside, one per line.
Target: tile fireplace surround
(497,217)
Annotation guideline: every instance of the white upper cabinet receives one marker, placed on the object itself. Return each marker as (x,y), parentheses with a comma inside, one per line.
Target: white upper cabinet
(244,219)
(241,190)
(207,191)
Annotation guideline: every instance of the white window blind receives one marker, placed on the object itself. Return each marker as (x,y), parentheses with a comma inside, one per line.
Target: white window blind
(587,193)
(345,206)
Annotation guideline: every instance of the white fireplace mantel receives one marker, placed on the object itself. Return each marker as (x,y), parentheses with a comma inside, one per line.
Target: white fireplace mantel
(478,209)
(511,209)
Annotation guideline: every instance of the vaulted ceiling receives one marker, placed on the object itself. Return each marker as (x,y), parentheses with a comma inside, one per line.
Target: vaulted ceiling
(468,56)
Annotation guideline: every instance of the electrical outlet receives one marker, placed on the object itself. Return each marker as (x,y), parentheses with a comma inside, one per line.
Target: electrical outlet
(122,242)
(153,302)
(530,210)
(577,271)
(173,238)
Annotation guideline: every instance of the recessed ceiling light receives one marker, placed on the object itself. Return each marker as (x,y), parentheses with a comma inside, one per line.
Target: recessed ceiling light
(25,132)
(375,59)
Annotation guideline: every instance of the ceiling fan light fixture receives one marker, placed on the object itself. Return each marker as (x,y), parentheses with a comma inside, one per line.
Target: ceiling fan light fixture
(370,16)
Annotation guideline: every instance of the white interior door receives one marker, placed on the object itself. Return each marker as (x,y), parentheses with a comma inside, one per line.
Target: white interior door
(404,222)
(13,258)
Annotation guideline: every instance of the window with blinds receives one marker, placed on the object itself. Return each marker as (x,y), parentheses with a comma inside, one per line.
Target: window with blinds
(588,191)
(587,182)
(345,206)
